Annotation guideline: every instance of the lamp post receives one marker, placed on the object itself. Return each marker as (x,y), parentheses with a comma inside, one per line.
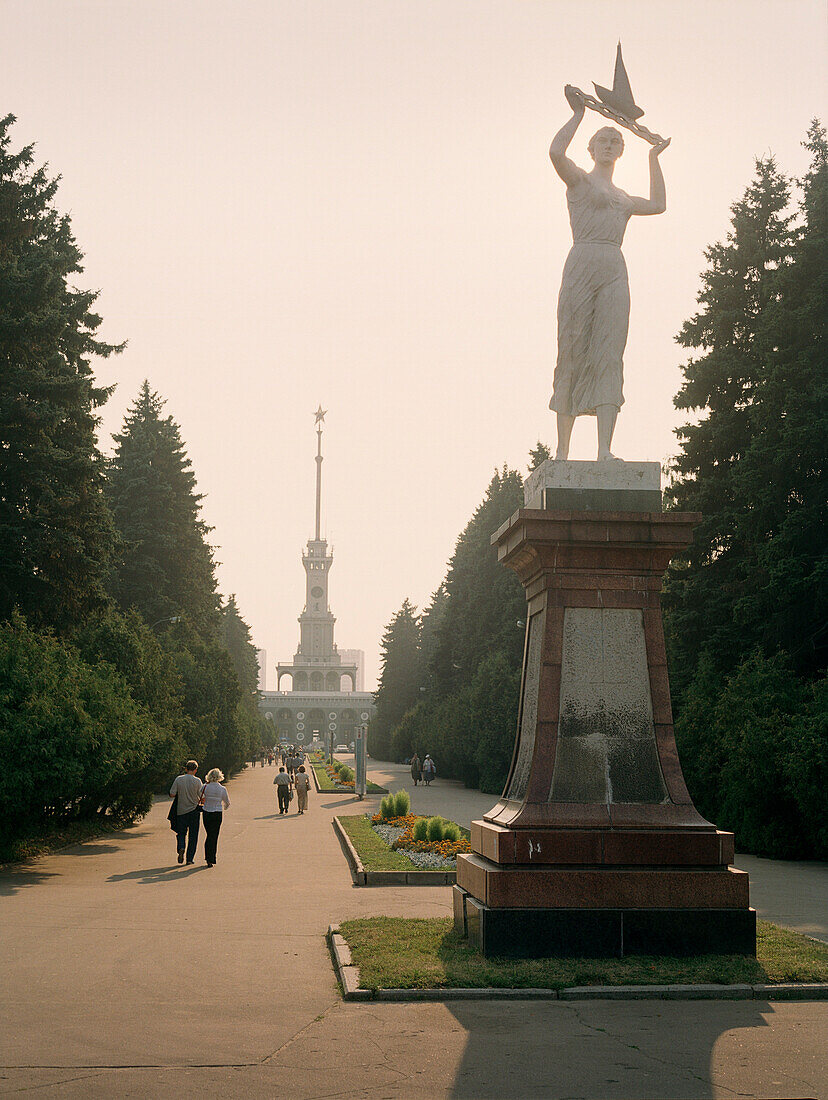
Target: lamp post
(169,619)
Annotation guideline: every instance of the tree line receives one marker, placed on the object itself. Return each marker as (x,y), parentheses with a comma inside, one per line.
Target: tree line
(745,609)
(118,657)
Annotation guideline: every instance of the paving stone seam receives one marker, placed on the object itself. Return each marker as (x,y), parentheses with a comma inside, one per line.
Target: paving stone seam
(348,976)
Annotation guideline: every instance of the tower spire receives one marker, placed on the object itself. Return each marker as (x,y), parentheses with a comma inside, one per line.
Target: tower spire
(320,419)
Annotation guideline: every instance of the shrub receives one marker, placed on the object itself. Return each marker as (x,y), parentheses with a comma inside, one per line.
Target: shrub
(436,829)
(451,832)
(387,807)
(402,803)
(74,742)
(346,774)
(420,831)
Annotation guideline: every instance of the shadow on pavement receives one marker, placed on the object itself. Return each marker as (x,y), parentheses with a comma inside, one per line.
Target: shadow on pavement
(152,875)
(13,879)
(600,1049)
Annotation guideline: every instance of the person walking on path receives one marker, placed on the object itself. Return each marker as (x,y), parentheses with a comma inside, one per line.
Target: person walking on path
(187,790)
(215,802)
(282,785)
(302,781)
(429,769)
(416,769)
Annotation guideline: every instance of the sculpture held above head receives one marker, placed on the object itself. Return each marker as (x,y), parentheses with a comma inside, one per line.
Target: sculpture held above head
(594,300)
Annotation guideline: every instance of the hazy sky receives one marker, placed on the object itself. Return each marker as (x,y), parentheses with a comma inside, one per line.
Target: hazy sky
(351,202)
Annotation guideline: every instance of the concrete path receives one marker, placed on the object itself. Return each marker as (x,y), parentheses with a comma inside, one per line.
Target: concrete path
(125,975)
(788,893)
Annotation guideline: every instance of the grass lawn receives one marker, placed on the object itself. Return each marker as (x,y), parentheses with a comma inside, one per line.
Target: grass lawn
(406,953)
(372,849)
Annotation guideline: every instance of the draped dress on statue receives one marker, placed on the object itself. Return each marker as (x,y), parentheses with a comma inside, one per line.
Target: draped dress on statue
(594,302)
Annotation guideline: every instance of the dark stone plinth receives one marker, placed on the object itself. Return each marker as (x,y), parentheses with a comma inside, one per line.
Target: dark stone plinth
(602,500)
(595,847)
(523,933)
(586,887)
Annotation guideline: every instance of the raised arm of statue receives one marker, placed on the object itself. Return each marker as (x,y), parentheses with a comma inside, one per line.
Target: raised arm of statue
(657,202)
(569,172)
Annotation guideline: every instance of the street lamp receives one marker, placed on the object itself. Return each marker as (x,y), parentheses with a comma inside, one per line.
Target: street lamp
(169,619)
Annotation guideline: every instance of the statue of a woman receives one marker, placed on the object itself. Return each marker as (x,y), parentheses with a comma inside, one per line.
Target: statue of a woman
(594,302)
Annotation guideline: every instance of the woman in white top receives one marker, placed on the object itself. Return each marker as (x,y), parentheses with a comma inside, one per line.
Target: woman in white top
(214,800)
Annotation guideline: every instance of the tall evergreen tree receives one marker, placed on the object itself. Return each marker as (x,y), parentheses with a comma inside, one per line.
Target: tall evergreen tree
(736,332)
(235,634)
(166,567)
(56,537)
(400,676)
(746,609)
(783,475)
(484,599)
(539,454)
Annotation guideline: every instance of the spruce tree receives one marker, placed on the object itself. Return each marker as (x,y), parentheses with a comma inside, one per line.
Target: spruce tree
(235,634)
(783,475)
(485,601)
(56,537)
(166,565)
(399,683)
(735,331)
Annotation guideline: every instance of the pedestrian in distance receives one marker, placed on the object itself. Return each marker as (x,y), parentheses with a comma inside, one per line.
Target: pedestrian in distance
(282,785)
(186,789)
(429,769)
(302,782)
(215,801)
(416,769)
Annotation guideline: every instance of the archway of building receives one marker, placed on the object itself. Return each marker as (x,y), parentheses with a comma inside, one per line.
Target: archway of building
(350,682)
(332,682)
(300,681)
(285,672)
(316,681)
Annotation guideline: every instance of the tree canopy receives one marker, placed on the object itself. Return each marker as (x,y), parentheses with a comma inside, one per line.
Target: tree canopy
(747,606)
(56,537)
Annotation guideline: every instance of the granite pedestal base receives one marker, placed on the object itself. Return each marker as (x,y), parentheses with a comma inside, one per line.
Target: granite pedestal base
(595,847)
(520,933)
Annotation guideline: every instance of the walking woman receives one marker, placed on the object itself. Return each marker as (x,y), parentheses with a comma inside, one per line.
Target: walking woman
(302,782)
(215,800)
(416,769)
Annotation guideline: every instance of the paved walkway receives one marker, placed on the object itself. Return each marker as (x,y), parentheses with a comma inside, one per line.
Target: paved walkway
(125,975)
(792,894)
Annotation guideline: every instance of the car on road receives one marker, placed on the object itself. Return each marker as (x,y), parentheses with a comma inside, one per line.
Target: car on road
(341,748)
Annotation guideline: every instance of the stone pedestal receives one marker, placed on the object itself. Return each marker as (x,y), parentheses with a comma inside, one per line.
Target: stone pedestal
(595,847)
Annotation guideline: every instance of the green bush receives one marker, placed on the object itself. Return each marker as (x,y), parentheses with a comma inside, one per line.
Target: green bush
(74,742)
(346,774)
(420,831)
(402,803)
(436,829)
(451,831)
(387,807)
(754,751)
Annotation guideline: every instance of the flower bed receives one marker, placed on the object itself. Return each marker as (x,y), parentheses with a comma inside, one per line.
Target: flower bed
(398,833)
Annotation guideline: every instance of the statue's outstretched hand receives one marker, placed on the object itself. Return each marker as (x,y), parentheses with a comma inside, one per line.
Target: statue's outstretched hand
(658,149)
(574,98)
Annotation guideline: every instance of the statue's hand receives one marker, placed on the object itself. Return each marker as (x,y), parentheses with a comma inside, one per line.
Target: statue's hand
(658,149)
(574,98)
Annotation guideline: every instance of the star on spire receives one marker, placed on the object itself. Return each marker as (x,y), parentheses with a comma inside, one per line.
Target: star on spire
(320,415)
